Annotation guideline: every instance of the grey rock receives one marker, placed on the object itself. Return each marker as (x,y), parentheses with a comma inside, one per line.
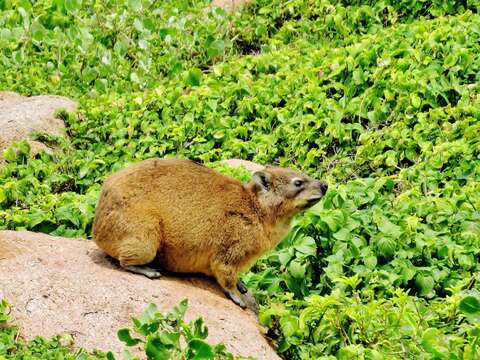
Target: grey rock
(20,117)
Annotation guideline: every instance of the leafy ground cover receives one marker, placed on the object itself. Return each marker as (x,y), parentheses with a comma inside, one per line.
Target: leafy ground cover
(164,336)
(381,99)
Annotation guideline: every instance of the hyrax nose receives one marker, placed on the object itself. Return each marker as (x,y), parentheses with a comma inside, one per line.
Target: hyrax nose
(323,186)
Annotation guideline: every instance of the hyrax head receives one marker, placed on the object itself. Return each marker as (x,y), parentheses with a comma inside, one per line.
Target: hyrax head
(286,192)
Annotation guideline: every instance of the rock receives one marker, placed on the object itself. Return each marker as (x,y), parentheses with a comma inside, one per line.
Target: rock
(20,117)
(10,97)
(248,165)
(229,5)
(68,286)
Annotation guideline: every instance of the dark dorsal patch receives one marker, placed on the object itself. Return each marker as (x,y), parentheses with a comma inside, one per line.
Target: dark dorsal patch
(245,218)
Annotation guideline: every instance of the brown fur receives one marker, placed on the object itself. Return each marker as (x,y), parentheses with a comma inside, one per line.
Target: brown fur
(196,219)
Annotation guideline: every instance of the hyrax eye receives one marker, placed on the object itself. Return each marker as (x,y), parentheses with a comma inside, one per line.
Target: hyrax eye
(298,183)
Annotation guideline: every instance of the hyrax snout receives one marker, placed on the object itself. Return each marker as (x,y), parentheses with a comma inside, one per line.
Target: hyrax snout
(194,219)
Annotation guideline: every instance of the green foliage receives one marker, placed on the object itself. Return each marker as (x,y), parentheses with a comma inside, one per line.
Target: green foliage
(358,325)
(168,336)
(4,310)
(379,98)
(269,24)
(91,47)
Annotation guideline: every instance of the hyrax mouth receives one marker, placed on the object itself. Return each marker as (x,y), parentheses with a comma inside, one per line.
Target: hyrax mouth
(312,201)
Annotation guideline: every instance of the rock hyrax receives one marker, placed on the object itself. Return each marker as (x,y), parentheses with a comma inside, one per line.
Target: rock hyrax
(195,219)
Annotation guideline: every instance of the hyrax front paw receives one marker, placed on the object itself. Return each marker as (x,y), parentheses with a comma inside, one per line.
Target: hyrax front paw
(237,299)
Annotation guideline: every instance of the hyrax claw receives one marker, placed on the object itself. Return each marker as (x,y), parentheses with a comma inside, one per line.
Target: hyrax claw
(236,298)
(241,287)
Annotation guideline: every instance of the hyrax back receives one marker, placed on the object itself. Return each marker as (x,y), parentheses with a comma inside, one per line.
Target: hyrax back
(196,219)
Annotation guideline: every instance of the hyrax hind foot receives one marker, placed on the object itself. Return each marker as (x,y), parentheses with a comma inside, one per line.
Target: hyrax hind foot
(144,270)
(136,252)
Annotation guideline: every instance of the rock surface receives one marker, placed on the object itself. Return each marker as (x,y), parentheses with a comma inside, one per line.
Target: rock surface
(229,5)
(20,117)
(67,286)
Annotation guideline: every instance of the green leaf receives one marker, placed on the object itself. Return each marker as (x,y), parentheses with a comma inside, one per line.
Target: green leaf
(283,345)
(470,305)
(370,262)
(4,310)
(386,247)
(135,5)
(334,219)
(416,100)
(194,77)
(289,325)
(296,269)
(128,356)
(121,47)
(295,285)
(124,335)
(284,256)
(176,68)
(3,195)
(342,234)
(156,350)
(431,343)
(101,85)
(218,135)
(72,5)
(151,311)
(134,77)
(350,352)
(84,170)
(200,330)
(37,217)
(9,154)
(24,147)
(306,245)
(39,33)
(169,338)
(425,283)
(179,310)
(6,34)
(215,48)
(199,350)
(386,226)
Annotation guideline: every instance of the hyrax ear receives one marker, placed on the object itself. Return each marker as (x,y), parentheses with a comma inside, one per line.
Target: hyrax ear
(262,180)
